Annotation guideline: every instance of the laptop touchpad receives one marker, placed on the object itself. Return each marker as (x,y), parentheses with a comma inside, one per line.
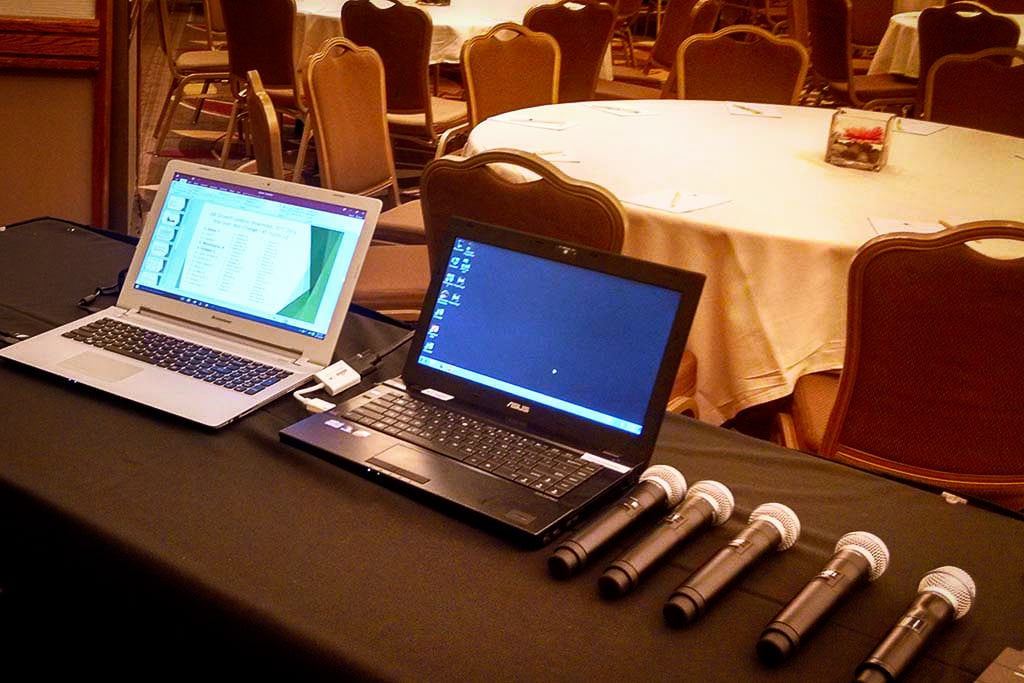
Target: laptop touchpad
(99,366)
(404,461)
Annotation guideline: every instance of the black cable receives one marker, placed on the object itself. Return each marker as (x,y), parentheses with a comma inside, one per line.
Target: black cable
(365,362)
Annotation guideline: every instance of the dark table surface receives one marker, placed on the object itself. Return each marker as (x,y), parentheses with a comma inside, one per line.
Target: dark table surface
(135,545)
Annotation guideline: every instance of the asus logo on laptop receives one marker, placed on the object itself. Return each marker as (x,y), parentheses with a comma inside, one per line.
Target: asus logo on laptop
(518,406)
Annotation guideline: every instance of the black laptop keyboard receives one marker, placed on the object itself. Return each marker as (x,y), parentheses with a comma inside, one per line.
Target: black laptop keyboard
(206,364)
(532,463)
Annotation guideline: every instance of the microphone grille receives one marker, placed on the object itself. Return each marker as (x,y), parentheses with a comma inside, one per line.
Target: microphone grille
(718,496)
(952,583)
(669,478)
(871,547)
(784,519)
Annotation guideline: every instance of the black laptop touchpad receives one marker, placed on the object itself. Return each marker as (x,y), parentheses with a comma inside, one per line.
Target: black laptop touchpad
(404,461)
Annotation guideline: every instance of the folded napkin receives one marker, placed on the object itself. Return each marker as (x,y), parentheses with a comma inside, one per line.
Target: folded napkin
(619,109)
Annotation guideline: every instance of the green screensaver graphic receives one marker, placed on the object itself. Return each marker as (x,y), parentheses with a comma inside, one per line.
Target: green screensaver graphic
(323,248)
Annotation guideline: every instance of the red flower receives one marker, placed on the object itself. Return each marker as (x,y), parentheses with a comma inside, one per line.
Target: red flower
(864,134)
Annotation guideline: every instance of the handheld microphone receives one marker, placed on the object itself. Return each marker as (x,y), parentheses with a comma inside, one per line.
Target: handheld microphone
(660,486)
(706,503)
(772,526)
(859,557)
(944,594)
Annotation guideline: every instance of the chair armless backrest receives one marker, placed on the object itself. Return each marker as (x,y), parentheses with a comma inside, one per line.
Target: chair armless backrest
(744,63)
(583,34)
(933,372)
(829,24)
(961,27)
(1002,6)
(978,91)
(345,84)
(510,67)
(555,205)
(215,30)
(682,19)
(261,37)
(401,35)
(264,128)
(868,21)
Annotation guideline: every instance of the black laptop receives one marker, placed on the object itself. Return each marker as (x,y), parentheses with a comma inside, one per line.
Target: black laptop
(534,387)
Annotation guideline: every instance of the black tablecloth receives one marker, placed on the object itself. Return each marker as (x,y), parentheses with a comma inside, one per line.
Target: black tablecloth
(134,545)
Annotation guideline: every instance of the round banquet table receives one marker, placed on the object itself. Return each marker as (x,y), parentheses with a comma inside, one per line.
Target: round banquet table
(898,53)
(318,20)
(779,225)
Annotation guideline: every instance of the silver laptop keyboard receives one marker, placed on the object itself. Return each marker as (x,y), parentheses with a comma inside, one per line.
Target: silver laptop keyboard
(535,464)
(177,355)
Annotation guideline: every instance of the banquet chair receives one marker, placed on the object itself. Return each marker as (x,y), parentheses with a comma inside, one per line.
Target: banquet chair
(401,34)
(260,36)
(583,33)
(682,19)
(743,63)
(869,20)
(187,68)
(216,33)
(960,27)
(354,151)
(932,377)
(832,60)
(510,67)
(977,91)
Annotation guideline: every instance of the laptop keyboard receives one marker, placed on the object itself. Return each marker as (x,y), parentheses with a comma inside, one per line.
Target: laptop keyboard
(532,463)
(177,355)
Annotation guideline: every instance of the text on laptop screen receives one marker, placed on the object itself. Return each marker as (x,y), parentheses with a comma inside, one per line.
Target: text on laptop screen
(260,255)
(566,337)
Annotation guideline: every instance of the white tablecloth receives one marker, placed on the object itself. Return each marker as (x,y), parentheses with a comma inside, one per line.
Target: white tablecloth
(898,52)
(318,20)
(777,248)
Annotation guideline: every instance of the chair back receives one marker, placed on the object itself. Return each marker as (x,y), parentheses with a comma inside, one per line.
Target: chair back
(553,205)
(932,378)
(797,18)
(509,67)
(831,40)
(682,19)
(583,33)
(744,63)
(260,36)
(345,85)
(264,129)
(1003,6)
(961,27)
(978,91)
(868,21)
(401,35)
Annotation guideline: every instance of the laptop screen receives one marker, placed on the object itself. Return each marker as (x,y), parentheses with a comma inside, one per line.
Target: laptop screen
(266,256)
(573,339)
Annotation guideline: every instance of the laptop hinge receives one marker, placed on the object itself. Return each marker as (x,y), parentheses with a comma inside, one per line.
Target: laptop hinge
(294,355)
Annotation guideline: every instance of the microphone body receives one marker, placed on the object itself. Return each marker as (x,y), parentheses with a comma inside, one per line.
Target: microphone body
(772,526)
(660,486)
(859,557)
(945,594)
(707,503)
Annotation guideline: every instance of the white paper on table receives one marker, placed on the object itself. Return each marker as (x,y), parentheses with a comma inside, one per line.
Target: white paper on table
(767,111)
(534,122)
(887,225)
(677,202)
(917,127)
(619,110)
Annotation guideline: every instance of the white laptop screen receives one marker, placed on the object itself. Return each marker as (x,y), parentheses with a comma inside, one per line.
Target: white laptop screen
(265,256)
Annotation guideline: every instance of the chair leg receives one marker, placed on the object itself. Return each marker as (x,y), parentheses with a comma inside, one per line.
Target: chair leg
(300,157)
(202,101)
(170,106)
(232,122)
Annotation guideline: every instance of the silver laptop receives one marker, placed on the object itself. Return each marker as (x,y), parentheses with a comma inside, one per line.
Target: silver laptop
(236,295)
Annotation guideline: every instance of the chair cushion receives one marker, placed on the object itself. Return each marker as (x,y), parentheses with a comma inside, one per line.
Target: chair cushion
(394,277)
(402,224)
(446,112)
(202,61)
(813,398)
(620,90)
(883,86)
